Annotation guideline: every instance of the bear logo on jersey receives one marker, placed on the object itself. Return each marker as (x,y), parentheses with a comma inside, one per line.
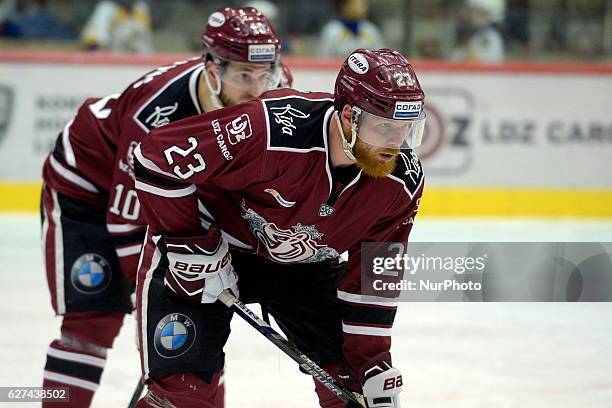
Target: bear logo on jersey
(174,335)
(286,246)
(90,274)
(128,165)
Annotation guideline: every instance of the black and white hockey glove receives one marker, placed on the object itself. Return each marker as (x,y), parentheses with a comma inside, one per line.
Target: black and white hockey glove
(382,386)
(200,267)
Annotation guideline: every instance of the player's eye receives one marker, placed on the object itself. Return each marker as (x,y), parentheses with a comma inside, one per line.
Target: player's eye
(266,76)
(242,77)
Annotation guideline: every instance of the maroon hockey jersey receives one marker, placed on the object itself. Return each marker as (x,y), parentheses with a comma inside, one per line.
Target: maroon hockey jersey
(93,156)
(261,170)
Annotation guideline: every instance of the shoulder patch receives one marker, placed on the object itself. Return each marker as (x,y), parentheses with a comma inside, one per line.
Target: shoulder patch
(172,102)
(296,122)
(408,171)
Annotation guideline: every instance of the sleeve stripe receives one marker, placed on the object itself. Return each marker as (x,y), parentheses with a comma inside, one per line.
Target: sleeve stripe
(368,315)
(120,228)
(366,330)
(68,151)
(79,358)
(367,299)
(130,250)
(123,240)
(148,164)
(182,192)
(150,177)
(70,176)
(66,379)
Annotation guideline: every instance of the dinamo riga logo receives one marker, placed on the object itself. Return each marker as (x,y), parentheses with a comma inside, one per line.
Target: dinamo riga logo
(287,246)
(90,274)
(174,335)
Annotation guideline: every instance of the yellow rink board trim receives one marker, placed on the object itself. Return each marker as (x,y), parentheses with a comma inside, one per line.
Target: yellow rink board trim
(520,202)
(20,196)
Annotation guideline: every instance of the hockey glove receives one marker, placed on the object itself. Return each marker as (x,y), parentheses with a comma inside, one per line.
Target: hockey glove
(382,385)
(200,267)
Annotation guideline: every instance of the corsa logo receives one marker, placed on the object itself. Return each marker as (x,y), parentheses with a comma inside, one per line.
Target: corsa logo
(407,110)
(262,53)
(239,129)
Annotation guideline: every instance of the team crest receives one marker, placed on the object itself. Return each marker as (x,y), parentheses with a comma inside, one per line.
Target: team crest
(326,210)
(174,335)
(288,245)
(90,274)
(128,165)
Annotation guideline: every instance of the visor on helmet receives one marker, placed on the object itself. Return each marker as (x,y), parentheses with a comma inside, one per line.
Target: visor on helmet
(390,133)
(256,78)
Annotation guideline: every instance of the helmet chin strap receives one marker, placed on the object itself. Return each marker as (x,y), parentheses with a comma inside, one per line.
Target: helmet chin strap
(214,93)
(347,146)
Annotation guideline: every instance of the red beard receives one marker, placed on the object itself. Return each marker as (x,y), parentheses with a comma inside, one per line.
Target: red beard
(368,158)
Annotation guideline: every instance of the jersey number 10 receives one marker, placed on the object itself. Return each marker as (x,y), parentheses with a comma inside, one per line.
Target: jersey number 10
(126,205)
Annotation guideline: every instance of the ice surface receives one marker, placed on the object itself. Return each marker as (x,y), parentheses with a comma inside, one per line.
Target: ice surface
(452,355)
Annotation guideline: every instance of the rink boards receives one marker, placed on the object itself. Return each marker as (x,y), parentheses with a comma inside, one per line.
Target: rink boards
(504,140)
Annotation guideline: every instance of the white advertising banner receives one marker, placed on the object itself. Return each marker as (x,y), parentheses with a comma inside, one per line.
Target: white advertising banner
(484,129)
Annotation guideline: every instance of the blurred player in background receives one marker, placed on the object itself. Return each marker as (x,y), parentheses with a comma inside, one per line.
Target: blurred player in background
(119,26)
(92,225)
(293,180)
(349,31)
(479,32)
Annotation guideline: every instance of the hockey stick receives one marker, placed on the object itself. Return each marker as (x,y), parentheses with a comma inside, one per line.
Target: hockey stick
(322,376)
(136,394)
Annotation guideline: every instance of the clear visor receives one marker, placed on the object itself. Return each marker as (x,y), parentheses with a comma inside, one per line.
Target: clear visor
(250,77)
(389,133)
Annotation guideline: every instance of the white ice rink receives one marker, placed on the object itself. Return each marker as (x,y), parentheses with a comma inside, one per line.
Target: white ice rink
(452,355)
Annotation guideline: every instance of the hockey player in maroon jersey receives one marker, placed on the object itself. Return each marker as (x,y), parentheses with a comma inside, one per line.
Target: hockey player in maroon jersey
(261,199)
(92,224)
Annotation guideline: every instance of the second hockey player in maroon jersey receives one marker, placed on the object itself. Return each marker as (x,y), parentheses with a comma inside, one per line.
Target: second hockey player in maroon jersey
(293,180)
(92,224)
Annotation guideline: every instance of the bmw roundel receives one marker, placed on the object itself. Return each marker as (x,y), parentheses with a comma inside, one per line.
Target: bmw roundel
(90,274)
(174,335)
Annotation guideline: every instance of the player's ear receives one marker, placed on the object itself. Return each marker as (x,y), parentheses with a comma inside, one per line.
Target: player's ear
(212,70)
(345,116)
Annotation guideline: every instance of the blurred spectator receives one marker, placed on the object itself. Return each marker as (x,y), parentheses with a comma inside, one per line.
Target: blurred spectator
(350,31)
(479,35)
(121,26)
(30,19)
(516,25)
(585,30)
(8,12)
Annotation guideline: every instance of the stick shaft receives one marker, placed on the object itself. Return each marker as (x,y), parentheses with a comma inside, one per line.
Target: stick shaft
(136,394)
(291,350)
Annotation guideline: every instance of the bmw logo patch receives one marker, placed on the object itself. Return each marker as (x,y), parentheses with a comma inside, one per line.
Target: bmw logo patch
(90,274)
(174,335)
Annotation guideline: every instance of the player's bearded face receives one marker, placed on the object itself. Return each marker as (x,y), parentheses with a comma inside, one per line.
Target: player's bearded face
(375,161)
